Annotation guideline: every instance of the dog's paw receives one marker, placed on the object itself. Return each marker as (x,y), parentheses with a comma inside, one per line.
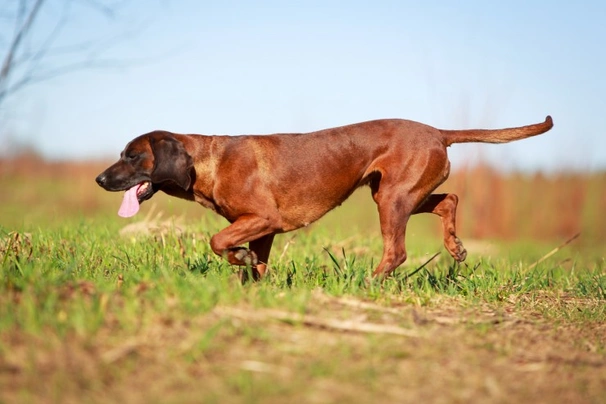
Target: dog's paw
(459,253)
(252,273)
(455,247)
(246,257)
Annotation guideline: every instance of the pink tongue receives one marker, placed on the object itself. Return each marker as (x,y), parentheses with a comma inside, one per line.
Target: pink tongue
(130,203)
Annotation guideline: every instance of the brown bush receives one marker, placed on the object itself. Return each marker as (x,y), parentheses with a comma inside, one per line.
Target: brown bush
(498,205)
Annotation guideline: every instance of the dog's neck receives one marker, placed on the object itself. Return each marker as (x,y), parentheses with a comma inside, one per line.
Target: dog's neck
(205,151)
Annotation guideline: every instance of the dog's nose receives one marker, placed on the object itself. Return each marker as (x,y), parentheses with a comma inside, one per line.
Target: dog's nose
(101,179)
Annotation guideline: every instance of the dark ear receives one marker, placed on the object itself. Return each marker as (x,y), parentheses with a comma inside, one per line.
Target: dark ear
(171,162)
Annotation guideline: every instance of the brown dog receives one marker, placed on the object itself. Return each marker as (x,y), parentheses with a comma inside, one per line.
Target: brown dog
(272,184)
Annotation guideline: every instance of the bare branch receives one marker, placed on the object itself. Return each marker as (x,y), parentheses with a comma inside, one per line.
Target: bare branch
(102,8)
(36,57)
(37,51)
(60,71)
(28,60)
(41,75)
(21,32)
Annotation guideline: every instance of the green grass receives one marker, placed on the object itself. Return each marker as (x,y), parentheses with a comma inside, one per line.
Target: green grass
(88,314)
(41,268)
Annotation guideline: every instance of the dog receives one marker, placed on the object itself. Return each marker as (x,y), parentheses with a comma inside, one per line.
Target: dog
(270,184)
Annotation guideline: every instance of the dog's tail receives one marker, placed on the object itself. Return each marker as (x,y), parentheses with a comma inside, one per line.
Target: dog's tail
(496,135)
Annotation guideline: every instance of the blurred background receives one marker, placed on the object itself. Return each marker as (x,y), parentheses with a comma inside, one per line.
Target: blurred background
(80,78)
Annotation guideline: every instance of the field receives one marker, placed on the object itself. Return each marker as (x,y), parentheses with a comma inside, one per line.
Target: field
(94,308)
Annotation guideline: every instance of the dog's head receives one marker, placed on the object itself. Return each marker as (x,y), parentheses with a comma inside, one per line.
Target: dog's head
(147,164)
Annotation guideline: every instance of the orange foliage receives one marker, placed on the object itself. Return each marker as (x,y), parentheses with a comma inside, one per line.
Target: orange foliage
(498,205)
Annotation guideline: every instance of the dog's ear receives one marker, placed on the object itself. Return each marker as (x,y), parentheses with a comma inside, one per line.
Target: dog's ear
(171,162)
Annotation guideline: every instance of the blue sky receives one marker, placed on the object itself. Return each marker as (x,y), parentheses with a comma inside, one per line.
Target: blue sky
(239,67)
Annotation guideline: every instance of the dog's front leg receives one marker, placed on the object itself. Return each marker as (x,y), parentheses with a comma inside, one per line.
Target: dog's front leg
(261,247)
(249,228)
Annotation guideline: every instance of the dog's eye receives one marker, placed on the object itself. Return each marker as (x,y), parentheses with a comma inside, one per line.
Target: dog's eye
(131,156)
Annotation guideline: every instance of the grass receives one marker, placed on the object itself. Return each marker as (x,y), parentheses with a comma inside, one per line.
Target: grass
(95,308)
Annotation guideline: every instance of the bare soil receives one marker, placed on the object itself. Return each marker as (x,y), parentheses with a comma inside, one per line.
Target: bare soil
(447,352)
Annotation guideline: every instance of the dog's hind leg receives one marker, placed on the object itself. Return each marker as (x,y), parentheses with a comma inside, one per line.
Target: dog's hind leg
(399,191)
(394,212)
(445,206)
(396,202)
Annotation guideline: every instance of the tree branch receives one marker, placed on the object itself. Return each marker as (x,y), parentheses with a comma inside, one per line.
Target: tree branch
(21,32)
(31,54)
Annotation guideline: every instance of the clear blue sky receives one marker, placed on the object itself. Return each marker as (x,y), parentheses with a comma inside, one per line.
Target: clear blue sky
(239,67)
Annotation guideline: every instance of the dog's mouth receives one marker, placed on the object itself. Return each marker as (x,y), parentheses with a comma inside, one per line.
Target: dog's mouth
(133,197)
(145,191)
